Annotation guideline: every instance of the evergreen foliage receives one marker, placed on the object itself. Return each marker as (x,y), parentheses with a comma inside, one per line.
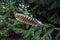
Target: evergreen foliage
(47,11)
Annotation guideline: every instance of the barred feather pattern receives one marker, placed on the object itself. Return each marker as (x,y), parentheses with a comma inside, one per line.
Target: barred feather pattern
(28,20)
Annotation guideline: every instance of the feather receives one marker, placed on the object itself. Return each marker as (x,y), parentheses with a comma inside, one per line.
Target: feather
(28,20)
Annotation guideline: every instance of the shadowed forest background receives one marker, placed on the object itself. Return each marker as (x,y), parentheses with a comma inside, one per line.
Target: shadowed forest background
(46,11)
